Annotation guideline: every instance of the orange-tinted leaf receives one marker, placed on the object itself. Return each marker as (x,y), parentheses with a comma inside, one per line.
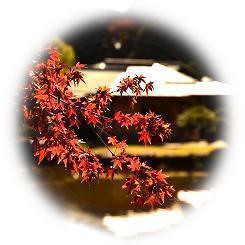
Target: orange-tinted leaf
(112,140)
(117,163)
(42,154)
(134,164)
(145,137)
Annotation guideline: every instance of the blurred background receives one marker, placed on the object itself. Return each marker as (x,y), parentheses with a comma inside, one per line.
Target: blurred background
(185,92)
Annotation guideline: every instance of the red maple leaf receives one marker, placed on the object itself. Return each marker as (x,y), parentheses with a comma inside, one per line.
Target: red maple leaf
(134,164)
(71,112)
(161,176)
(42,154)
(145,137)
(93,119)
(117,163)
(110,173)
(112,140)
(148,86)
(80,66)
(117,116)
(151,200)
(121,144)
(124,120)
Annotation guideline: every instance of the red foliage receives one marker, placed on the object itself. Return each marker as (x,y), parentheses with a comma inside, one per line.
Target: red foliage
(136,85)
(53,112)
(148,125)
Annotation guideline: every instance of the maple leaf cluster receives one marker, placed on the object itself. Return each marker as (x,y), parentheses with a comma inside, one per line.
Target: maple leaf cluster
(145,185)
(137,85)
(148,125)
(53,113)
(95,105)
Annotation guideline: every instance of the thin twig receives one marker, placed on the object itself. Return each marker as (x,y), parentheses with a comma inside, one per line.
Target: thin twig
(102,141)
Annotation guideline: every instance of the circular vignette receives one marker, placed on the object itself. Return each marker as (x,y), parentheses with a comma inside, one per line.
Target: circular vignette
(130,38)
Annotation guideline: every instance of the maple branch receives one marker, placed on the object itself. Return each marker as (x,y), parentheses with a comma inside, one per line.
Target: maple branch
(103,130)
(102,141)
(58,139)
